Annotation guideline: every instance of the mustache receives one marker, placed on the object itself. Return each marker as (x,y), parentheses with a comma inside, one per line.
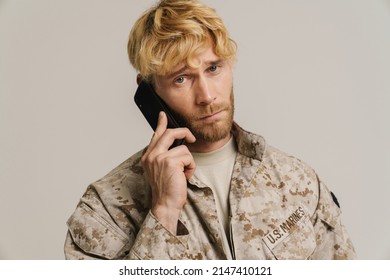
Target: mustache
(188,120)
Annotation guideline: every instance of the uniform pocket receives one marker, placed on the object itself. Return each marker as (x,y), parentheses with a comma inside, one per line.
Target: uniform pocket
(297,244)
(94,235)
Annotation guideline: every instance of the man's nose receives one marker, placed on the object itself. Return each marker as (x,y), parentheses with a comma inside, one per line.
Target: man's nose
(204,92)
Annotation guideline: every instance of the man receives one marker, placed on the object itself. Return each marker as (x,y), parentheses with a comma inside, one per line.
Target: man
(226,193)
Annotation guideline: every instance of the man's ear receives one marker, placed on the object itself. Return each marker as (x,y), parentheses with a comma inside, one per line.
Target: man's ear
(139,79)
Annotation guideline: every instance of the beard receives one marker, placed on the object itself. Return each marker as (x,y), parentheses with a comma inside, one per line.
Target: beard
(213,131)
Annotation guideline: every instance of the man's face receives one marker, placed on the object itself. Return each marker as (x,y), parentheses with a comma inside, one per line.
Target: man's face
(201,98)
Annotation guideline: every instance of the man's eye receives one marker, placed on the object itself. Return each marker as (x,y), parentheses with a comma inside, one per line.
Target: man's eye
(179,80)
(213,68)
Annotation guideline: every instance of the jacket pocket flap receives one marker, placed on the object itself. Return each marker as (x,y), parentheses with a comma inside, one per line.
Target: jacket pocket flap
(94,235)
(299,244)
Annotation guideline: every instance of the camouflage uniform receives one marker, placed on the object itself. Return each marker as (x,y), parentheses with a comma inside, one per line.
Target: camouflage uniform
(279,210)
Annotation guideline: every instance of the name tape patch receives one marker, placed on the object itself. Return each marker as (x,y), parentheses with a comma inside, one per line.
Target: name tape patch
(284,229)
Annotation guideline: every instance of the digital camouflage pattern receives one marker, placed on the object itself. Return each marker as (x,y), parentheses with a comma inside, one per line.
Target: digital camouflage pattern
(279,210)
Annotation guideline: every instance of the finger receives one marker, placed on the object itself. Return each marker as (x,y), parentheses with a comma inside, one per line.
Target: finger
(162,124)
(180,157)
(170,135)
(189,169)
(188,163)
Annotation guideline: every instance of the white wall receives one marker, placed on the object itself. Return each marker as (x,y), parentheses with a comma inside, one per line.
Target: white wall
(312,77)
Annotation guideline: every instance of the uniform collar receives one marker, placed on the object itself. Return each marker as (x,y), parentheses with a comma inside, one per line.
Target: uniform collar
(248,144)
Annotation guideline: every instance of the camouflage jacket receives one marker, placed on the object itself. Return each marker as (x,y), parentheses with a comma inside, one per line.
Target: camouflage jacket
(279,209)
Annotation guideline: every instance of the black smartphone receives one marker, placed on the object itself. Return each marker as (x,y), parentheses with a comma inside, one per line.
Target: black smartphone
(150,104)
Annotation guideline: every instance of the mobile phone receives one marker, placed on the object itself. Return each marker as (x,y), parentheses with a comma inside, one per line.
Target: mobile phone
(150,104)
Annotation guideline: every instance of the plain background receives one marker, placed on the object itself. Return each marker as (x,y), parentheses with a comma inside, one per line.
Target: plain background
(312,77)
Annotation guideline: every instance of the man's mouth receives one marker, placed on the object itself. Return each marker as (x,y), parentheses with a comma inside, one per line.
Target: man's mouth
(212,116)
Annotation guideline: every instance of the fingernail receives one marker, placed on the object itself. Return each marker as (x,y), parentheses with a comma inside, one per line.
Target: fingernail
(161,114)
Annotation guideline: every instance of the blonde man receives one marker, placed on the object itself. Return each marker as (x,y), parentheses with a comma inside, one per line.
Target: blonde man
(225,193)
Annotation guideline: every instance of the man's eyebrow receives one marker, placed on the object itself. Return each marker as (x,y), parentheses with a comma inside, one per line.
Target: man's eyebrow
(214,62)
(184,68)
(181,70)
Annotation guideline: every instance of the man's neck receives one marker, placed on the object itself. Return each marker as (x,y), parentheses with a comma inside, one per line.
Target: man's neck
(201,146)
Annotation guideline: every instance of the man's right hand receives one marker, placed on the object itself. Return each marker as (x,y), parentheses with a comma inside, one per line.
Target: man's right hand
(167,172)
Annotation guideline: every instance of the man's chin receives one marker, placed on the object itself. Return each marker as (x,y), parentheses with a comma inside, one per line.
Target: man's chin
(212,132)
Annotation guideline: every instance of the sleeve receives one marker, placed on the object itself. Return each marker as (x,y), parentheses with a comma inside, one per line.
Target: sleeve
(156,242)
(93,233)
(333,241)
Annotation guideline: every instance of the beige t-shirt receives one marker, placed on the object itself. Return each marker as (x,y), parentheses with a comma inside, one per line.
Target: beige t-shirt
(215,170)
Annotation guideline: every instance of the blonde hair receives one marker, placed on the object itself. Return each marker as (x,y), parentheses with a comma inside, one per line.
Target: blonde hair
(175,31)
